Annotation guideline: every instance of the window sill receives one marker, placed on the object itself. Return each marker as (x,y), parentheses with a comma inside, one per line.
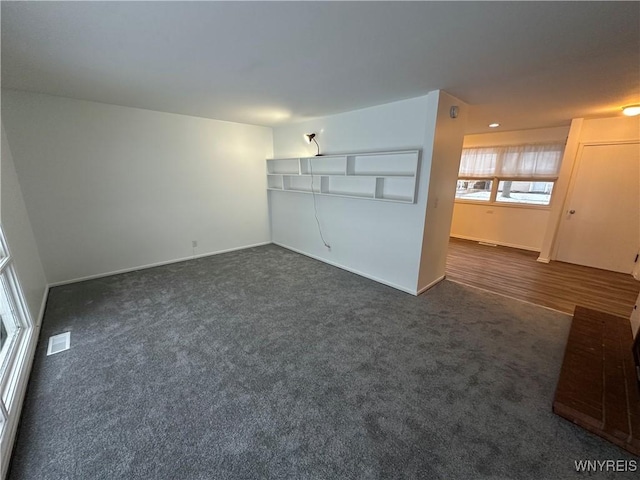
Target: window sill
(504,204)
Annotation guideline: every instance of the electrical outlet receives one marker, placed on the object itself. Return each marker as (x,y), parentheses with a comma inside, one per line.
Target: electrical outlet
(194,243)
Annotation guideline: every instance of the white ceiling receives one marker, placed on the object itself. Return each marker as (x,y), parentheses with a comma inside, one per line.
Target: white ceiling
(523,64)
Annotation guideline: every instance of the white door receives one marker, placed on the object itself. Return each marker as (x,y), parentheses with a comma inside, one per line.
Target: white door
(601,223)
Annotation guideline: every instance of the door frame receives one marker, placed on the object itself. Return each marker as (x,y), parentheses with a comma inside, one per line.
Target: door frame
(572,183)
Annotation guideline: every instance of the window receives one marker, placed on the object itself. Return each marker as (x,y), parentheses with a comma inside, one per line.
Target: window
(517,174)
(470,189)
(15,332)
(534,193)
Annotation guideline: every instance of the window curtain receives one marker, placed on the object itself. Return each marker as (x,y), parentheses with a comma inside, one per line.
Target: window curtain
(514,161)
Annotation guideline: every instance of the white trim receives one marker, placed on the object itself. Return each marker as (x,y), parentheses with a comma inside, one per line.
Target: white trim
(21,389)
(531,206)
(4,263)
(610,142)
(432,284)
(43,306)
(543,260)
(4,419)
(348,269)
(3,413)
(504,244)
(152,265)
(11,373)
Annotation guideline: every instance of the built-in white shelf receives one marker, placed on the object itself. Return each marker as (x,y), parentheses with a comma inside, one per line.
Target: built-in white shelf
(386,176)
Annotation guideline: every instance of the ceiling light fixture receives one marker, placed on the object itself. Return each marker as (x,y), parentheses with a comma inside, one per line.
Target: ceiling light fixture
(631,110)
(312,136)
(494,125)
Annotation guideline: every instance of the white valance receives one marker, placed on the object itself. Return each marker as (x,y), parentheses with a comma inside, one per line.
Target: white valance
(513,161)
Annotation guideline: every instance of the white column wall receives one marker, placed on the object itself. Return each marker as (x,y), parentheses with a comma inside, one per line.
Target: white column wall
(379,240)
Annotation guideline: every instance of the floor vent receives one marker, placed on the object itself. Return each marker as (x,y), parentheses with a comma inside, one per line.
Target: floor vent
(59,343)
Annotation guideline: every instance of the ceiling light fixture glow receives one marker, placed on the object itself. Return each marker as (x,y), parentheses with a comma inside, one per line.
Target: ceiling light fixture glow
(631,110)
(494,125)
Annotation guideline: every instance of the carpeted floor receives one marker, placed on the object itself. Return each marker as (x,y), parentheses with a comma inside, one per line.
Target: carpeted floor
(265,364)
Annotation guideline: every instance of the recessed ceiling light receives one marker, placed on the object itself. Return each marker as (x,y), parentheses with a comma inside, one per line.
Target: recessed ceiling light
(494,125)
(631,110)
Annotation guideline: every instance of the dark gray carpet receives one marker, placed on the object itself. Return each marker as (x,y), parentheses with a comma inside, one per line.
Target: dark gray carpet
(265,364)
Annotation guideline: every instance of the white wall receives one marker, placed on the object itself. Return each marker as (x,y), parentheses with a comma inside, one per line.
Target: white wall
(112,188)
(377,239)
(512,226)
(444,137)
(583,131)
(380,240)
(17,228)
(517,137)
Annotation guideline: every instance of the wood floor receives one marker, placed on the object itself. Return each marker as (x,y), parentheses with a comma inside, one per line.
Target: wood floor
(557,285)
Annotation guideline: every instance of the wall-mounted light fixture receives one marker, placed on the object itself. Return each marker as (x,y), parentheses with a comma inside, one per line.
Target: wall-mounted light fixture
(631,110)
(312,136)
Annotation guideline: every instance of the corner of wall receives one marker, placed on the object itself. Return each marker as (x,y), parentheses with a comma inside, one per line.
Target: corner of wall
(561,190)
(20,236)
(442,149)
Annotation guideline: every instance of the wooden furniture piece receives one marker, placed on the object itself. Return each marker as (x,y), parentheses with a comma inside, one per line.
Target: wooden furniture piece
(386,176)
(636,357)
(598,388)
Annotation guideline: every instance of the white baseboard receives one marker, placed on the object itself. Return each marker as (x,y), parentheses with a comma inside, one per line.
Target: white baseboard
(21,389)
(543,260)
(432,284)
(349,269)
(43,306)
(504,244)
(152,265)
